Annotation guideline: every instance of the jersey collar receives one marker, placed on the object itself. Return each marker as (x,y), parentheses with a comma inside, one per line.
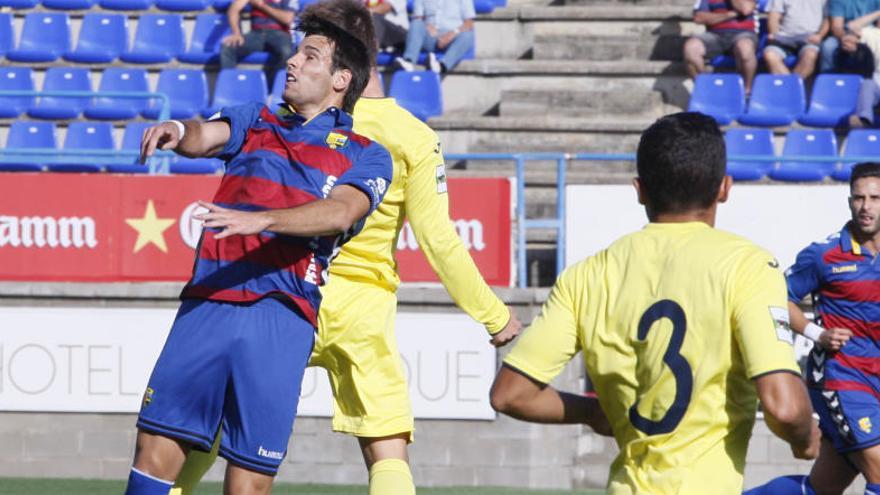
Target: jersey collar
(848,242)
(330,118)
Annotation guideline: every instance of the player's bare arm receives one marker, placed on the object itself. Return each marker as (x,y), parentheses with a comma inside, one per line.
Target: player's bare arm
(521,397)
(337,213)
(788,413)
(831,339)
(200,139)
(233,15)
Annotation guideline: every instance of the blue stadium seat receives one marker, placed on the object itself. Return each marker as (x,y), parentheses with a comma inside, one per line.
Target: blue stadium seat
(102,38)
(85,136)
(184,165)
(19,79)
(20,4)
(206,37)
(237,86)
(833,100)
(186,88)
(183,5)
(24,134)
(221,5)
(305,3)
(720,96)
(741,141)
(500,3)
(776,100)
(159,39)
(6,33)
(69,4)
(62,79)
(806,142)
(44,37)
(859,142)
(419,92)
(278,88)
(119,79)
(126,4)
(131,141)
(484,6)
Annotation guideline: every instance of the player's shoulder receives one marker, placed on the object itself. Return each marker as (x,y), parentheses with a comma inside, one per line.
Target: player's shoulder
(385,116)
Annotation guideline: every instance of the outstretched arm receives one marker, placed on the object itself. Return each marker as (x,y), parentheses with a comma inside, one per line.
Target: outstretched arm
(200,139)
(521,397)
(858,23)
(788,413)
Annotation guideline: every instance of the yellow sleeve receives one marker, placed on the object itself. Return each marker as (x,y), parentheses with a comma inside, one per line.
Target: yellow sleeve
(427,208)
(760,316)
(543,350)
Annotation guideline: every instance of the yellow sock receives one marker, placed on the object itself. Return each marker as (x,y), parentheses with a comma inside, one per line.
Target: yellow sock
(391,477)
(197,464)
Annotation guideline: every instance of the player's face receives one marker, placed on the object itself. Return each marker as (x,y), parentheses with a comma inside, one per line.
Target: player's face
(864,202)
(309,76)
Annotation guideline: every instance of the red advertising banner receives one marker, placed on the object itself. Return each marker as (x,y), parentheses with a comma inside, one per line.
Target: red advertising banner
(71,227)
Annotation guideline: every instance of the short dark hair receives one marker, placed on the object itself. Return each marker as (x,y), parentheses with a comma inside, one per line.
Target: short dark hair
(862,170)
(349,25)
(681,163)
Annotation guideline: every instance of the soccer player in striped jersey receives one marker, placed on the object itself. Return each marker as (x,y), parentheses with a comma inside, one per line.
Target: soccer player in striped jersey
(297,186)
(843,369)
(679,325)
(356,341)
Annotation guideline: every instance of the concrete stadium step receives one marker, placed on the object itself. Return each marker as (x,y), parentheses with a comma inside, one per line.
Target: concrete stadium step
(560,46)
(633,101)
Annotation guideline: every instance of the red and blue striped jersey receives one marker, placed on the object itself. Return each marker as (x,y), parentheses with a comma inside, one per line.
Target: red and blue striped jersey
(739,23)
(278,160)
(846,279)
(261,20)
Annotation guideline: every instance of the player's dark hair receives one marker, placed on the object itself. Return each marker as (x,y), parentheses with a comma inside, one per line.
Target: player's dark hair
(349,25)
(862,170)
(681,163)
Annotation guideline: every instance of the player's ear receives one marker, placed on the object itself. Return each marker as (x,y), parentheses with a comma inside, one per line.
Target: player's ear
(724,189)
(341,80)
(639,193)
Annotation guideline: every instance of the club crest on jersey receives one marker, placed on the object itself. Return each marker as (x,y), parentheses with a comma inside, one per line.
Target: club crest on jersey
(781,324)
(336,140)
(148,397)
(441,179)
(865,424)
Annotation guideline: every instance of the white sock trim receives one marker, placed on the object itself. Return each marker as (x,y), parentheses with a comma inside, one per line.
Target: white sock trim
(145,475)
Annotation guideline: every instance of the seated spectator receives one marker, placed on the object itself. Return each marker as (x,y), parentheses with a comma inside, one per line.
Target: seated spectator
(869,94)
(390,21)
(270,31)
(842,52)
(795,27)
(446,25)
(730,28)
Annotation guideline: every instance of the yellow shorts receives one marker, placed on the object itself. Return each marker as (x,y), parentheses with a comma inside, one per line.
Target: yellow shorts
(357,347)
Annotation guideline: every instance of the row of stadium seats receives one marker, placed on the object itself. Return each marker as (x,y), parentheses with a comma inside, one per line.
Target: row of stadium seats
(93,136)
(187,90)
(798,142)
(481,6)
(777,100)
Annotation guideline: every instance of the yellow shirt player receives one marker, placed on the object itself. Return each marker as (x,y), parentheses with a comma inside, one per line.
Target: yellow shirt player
(356,341)
(681,327)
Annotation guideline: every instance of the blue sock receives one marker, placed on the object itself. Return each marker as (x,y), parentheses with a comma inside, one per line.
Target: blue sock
(143,484)
(787,485)
(872,489)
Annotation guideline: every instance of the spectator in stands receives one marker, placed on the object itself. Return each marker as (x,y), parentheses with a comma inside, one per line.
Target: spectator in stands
(446,25)
(730,28)
(842,52)
(795,27)
(270,31)
(390,21)
(869,94)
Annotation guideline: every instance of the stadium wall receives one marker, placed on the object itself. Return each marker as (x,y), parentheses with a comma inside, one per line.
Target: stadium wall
(499,452)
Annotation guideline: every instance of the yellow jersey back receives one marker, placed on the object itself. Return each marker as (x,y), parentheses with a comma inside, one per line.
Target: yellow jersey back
(673,322)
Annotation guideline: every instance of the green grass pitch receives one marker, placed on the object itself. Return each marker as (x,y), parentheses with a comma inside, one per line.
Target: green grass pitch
(39,486)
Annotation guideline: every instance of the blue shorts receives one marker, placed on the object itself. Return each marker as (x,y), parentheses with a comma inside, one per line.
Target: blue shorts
(849,418)
(235,366)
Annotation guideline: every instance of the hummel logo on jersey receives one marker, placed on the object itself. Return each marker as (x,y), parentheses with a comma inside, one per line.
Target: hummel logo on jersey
(844,269)
(271,454)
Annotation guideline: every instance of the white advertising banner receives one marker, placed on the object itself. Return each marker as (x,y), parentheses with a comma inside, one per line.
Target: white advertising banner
(781,219)
(99,360)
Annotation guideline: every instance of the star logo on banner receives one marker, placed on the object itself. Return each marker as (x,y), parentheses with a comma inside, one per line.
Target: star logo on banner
(150,229)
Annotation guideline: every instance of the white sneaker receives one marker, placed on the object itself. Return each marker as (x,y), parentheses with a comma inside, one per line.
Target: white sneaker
(433,63)
(404,64)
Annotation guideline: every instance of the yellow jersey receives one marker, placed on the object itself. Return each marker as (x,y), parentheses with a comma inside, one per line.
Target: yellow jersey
(417,193)
(673,322)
